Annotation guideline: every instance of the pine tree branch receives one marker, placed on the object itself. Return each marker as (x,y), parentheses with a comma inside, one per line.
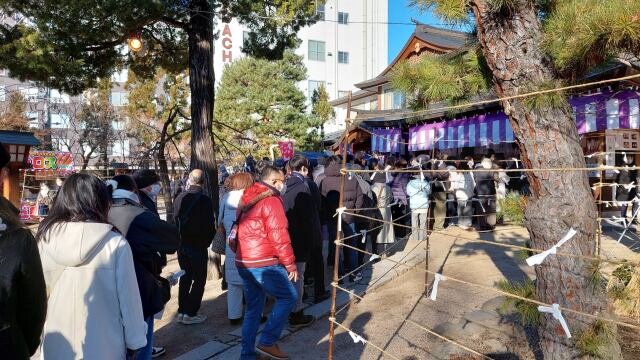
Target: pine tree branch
(175,23)
(227,126)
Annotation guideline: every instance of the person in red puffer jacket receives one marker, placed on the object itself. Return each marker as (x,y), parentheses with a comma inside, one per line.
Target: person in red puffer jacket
(266,263)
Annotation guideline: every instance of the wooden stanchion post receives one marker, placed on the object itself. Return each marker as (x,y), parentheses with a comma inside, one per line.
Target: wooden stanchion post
(431,212)
(336,260)
(599,223)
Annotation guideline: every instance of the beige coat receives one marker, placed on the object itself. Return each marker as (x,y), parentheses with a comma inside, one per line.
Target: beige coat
(385,198)
(94,308)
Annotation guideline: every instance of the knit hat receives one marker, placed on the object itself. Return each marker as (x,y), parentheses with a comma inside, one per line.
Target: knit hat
(145,178)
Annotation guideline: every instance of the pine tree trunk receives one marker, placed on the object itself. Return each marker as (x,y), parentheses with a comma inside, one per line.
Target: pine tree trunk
(201,81)
(164,177)
(547,138)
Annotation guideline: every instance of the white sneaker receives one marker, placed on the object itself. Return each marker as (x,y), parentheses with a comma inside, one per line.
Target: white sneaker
(157,351)
(180,317)
(189,320)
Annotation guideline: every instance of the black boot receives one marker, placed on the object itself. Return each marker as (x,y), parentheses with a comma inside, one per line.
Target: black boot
(299,319)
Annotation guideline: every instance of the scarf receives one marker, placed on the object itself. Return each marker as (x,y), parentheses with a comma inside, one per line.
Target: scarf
(124,194)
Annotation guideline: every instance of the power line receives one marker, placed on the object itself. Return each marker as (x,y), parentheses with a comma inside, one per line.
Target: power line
(282,18)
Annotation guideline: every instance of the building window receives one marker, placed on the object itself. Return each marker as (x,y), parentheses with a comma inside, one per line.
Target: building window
(16,152)
(60,144)
(60,121)
(30,94)
(320,12)
(120,148)
(3,93)
(393,100)
(118,125)
(342,93)
(343,18)
(119,98)
(59,98)
(316,50)
(120,76)
(245,36)
(313,86)
(343,57)
(33,118)
(398,100)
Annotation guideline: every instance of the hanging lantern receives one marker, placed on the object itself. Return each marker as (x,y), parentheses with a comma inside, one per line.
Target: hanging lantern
(135,41)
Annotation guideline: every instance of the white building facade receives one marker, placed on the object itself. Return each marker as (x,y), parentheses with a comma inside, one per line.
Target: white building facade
(346,46)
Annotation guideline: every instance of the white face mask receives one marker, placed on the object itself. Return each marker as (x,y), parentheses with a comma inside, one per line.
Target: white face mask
(155,190)
(470,163)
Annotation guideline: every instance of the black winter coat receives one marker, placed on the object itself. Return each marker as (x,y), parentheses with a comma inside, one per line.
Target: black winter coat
(200,227)
(438,179)
(147,202)
(23,294)
(330,190)
(626,177)
(302,216)
(317,201)
(485,182)
(147,235)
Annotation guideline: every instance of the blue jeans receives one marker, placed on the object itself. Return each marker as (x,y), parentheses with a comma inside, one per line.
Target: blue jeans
(351,256)
(258,282)
(145,352)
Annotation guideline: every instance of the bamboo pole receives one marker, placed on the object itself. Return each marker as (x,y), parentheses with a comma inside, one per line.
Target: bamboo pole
(336,260)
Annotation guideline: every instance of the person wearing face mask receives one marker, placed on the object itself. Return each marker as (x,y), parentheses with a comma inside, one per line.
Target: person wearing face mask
(486,192)
(148,183)
(194,216)
(304,228)
(44,199)
(148,236)
(353,199)
(627,183)
(266,262)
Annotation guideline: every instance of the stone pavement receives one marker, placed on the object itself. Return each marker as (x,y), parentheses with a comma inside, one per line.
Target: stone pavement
(388,316)
(393,296)
(224,341)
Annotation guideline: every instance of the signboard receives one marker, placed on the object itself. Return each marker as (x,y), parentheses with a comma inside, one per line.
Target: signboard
(46,160)
(286,149)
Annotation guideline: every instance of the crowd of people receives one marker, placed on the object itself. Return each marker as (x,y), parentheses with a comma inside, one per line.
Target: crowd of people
(89,284)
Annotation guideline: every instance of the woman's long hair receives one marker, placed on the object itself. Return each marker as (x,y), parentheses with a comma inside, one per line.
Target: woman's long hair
(82,198)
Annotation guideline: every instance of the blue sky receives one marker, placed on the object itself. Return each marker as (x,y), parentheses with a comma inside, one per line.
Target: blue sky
(399,11)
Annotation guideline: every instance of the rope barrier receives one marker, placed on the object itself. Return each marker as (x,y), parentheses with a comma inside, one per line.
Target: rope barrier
(537,172)
(512,97)
(411,171)
(489,288)
(515,247)
(333,320)
(424,328)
